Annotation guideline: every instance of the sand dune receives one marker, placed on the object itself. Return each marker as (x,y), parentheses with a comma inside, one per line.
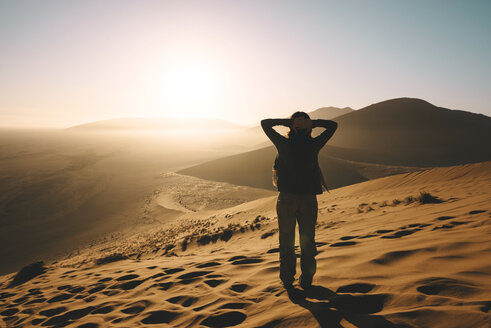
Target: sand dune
(386,259)
(62,188)
(390,137)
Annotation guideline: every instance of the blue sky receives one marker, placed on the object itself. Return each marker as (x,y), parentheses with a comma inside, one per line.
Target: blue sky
(68,62)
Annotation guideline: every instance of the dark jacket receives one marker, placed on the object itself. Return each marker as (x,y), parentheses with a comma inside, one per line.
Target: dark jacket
(298,166)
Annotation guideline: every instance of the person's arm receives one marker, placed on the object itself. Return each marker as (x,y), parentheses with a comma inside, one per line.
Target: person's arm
(268,124)
(330,127)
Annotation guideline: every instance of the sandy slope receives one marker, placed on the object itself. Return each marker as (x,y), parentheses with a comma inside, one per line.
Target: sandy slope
(61,188)
(380,264)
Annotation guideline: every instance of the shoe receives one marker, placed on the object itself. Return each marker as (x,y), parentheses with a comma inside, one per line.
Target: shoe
(305,284)
(288,286)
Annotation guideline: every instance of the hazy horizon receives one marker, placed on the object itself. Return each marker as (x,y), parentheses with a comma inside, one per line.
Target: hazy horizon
(69,63)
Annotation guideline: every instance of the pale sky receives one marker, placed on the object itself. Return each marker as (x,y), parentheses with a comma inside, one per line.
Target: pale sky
(70,62)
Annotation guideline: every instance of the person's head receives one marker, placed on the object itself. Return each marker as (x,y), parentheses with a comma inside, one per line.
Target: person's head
(298,126)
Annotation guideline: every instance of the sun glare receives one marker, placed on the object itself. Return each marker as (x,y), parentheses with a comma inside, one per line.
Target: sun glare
(186,88)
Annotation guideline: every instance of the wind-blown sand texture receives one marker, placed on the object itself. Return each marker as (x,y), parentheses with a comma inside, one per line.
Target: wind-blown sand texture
(385,260)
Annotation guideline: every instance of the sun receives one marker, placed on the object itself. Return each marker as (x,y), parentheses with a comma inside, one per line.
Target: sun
(186,88)
(189,87)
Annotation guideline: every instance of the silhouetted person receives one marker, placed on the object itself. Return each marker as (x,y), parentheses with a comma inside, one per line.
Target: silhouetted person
(299,181)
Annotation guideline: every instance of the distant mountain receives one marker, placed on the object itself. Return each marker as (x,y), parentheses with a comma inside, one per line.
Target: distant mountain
(408,131)
(158,123)
(328,113)
(393,136)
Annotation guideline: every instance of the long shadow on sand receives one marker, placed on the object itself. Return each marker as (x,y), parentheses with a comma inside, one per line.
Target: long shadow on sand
(329,308)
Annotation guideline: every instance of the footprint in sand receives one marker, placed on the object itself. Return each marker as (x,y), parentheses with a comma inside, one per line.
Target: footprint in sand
(37,300)
(383,231)
(37,321)
(75,290)
(476,212)
(21,300)
(207,265)
(96,289)
(445,226)
(9,312)
(227,319)
(175,270)
(456,223)
(367,236)
(401,233)
(238,257)
(6,295)
(348,237)
(165,285)
(157,275)
(214,276)
(214,282)
(356,288)
(104,279)
(446,287)
(247,261)
(239,288)
(35,291)
(344,243)
(103,309)
(202,307)
(161,316)
(89,299)
(128,285)
(390,257)
(89,325)
(64,287)
(234,306)
(194,274)
(53,311)
(128,277)
(59,298)
(185,301)
(136,307)
(191,277)
(444,218)
(68,317)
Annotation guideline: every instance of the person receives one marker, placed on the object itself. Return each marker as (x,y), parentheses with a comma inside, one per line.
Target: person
(299,182)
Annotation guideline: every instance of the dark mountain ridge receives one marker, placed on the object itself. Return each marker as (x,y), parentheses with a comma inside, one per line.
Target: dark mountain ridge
(408,131)
(393,136)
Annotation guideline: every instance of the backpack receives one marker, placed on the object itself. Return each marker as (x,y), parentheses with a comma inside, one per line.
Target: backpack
(275,174)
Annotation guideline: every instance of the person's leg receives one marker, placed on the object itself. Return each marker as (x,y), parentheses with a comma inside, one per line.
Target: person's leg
(285,208)
(307,218)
